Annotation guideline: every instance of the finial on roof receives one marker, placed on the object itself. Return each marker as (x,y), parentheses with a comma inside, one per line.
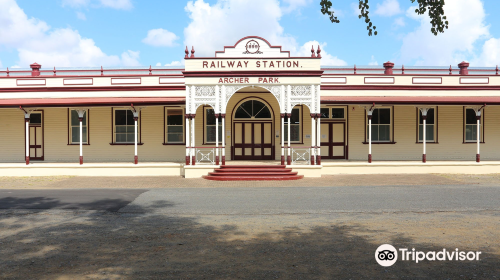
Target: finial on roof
(403,69)
(450,69)
(150,70)
(192,52)
(319,51)
(312,52)
(102,71)
(187,52)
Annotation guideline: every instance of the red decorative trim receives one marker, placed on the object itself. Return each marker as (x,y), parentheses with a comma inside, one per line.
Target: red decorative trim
(17,82)
(27,159)
(161,77)
(91,84)
(224,159)
(288,160)
(312,160)
(282,159)
(223,115)
(252,37)
(467,78)
(126,144)
(378,143)
(463,68)
(440,81)
(216,160)
(478,157)
(393,80)
(424,158)
(128,83)
(193,159)
(81,160)
(84,89)
(326,76)
(187,160)
(369,158)
(318,160)
(423,87)
(136,159)
(282,116)
(283,73)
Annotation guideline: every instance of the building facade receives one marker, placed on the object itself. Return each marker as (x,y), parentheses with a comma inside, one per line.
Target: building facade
(250,101)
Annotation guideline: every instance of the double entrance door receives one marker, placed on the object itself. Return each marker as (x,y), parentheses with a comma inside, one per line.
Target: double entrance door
(253,141)
(333,140)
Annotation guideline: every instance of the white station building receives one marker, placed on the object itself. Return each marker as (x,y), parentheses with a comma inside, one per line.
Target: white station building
(251,102)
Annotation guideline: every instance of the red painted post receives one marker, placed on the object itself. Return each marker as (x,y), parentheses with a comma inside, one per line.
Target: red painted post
(388,68)
(35,69)
(463,68)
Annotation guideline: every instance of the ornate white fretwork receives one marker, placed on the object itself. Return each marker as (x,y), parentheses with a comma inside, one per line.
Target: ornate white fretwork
(203,95)
(302,95)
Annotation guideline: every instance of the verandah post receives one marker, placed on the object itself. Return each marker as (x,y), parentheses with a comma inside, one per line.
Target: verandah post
(282,117)
(289,115)
(370,135)
(478,140)
(318,123)
(81,115)
(216,111)
(188,117)
(223,116)
(313,117)
(136,118)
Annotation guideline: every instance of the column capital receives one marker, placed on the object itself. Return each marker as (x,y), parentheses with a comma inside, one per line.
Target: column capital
(369,116)
(222,115)
(187,116)
(136,118)
(289,115)
(283,115)
(313,116)
(318,116)
(80,119)
(424,117)
(193,115)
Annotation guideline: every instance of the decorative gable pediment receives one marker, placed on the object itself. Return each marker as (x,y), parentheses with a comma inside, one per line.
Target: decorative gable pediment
(252,46)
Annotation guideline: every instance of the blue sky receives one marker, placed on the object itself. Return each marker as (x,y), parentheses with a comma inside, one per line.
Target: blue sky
(72,33)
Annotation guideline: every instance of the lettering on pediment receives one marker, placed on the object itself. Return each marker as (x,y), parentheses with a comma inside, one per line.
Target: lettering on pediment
(252,46)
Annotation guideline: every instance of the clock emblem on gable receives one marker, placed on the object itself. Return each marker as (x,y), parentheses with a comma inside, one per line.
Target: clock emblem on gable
(252,47)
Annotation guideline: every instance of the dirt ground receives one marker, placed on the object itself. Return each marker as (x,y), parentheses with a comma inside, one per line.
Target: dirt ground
(104,245)
(83,244)
(66,182)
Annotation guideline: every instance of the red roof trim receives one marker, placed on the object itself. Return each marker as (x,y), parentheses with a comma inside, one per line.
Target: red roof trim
(412,100)
(101,101)
(93,88)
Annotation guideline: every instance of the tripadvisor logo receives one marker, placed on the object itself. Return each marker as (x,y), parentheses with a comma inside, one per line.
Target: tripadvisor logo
(387,255)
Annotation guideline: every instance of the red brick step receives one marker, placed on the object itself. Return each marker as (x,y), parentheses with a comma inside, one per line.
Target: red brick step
(253,173)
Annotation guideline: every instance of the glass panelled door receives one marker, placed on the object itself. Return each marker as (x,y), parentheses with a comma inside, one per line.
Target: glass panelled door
(36,135)
(253,141)
(333,140)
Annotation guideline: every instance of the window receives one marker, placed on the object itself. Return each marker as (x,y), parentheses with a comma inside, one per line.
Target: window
(253,109)
(431,127)
(381,125)
(337,113)
(294,125)
(470,124)
(210,126)
(124,126)
(325,113)
(174,130)
(332,113)
(74,127)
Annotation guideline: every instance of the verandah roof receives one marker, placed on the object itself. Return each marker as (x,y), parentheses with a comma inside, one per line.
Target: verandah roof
(413,100)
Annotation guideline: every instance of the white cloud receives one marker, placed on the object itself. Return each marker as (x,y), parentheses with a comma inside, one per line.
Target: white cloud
(158,64)
(60,47)
(117,4)
(114,4)
(75,3)
(373,61)
(292,5)
(466,26)
(81,16)
(160,38)
(326,58)
(225,22)
(1,64)
(399,22)
(175,63)
(130,58)
(388,8)
(355,9)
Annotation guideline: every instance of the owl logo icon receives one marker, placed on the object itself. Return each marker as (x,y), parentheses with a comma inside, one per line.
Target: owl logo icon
(252,47)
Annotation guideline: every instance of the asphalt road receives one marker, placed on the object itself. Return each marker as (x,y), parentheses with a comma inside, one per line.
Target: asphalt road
(260,201)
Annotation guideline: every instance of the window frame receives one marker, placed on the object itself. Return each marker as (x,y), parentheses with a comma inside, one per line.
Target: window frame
(139,127)
(300,124)
(436,131)
(330,114)
(464,123)
(391,127)
(69,128)
(205,134)
(165,126)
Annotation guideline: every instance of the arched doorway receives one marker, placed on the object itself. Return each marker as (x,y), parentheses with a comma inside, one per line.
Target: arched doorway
(253,121)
